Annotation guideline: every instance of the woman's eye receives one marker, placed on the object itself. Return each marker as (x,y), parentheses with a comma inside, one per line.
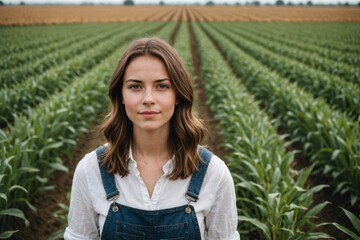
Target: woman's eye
(135,86)
(163,86)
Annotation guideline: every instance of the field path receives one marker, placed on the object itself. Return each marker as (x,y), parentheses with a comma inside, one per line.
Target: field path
(212,140)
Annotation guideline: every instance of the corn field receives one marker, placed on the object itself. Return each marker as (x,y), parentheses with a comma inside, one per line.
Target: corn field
(281,93)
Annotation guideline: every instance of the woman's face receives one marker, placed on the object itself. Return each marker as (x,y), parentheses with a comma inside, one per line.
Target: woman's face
(148,95)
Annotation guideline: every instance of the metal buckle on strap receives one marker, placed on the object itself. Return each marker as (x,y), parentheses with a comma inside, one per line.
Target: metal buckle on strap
(188,197)
(114,197)
(114,207)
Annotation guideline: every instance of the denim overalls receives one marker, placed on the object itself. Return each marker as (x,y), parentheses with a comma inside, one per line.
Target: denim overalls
(178,223)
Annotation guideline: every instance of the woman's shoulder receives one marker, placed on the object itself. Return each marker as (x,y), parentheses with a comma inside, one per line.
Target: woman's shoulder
(217,167)
(88,160)
(217,179)
(88,165)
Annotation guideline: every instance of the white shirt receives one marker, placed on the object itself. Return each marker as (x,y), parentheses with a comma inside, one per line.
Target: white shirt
(215,210)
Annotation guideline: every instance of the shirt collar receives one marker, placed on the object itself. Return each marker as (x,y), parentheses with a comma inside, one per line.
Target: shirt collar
(167,168)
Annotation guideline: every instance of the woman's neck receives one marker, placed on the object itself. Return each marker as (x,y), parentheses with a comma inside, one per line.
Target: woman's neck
(153,146)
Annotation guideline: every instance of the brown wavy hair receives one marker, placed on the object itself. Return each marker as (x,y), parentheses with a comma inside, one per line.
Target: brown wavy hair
(186,130)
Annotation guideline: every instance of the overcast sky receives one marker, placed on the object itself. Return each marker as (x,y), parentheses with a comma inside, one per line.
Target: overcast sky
(172,1)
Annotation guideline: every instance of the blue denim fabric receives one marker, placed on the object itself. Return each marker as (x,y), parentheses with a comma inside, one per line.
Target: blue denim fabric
(107,178)
(177,223)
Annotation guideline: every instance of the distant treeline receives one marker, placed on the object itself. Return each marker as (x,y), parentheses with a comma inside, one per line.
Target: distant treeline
(209,3)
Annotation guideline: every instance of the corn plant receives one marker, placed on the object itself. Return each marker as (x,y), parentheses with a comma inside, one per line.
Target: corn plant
(355,222)
(16,40)
(21,73)
(337,36)
(327,137)
(282,33)
(182,45)
(328,67)
(42,52)
(272,198)
(338,92)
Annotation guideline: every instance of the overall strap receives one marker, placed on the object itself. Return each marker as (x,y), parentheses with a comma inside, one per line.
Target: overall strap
(198,177)
(108,178)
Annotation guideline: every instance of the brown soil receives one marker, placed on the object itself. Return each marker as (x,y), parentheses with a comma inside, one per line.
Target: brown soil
(212,140)
(44,15)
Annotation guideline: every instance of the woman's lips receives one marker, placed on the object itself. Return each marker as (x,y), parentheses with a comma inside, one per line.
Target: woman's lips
(149,114)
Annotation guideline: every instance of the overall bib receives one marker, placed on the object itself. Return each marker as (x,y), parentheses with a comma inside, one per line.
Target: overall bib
(126,223)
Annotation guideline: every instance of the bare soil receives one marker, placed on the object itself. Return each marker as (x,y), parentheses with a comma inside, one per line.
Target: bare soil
(47,15)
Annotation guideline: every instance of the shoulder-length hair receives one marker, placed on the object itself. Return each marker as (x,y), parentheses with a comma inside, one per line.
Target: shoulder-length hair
(186,130)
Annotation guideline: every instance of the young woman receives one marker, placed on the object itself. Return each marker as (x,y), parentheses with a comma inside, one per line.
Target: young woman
(152,180)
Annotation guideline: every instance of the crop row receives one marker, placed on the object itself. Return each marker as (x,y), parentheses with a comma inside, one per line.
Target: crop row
(20,97)
(328,67)
(282,36)
(52,128)
(182,47)
(343,95)
(271,204)
(14,60)
(339,37)
(18,39)
(23,72)
(328,138)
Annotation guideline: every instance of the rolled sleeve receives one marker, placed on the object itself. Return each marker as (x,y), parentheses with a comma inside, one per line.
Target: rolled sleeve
(222,219)
(82,219)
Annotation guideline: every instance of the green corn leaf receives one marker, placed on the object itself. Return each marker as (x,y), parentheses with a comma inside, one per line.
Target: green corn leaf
(15,213)
(353,199)
(53,145)
(252,187)
(311,213)
(315,210)
(346,231)
(7,234)
(59,166)
(288,230)
(316,236)
(264,228)
(354,220)
(335,154)
(45,188)
(275,179)
(1,177)
(42,179)
(3,196)
(27,170)
(14,187)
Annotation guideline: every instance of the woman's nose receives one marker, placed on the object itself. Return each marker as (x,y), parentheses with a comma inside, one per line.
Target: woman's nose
(148,97)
